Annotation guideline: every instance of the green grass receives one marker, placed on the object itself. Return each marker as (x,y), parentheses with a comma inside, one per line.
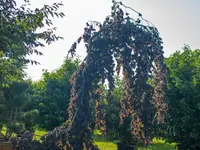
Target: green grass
(156,146)
(38,134)
(99,141)
(4,129)
(108,145)
(159,145)
(102,144)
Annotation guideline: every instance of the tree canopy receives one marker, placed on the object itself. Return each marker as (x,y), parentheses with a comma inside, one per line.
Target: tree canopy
(124,86)
(50,95)
(137,49)
(183,97)
(20,36)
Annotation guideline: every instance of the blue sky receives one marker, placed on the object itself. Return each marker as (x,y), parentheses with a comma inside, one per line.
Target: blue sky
(178,22)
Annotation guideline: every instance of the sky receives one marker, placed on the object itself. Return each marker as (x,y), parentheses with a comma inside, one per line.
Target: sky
(177,21)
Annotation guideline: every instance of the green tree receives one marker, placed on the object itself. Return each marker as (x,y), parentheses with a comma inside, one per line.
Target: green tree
(11,102)
(184,98)
(116,131)
(20,37)
(50,96)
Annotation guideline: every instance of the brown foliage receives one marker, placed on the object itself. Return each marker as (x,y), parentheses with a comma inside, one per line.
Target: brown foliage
(137,50)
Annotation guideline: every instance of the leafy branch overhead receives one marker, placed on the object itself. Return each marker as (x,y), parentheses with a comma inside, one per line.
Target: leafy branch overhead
(18,28)
(19,31)
(119,44)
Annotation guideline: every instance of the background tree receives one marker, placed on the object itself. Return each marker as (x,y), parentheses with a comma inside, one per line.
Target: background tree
(11,105)
(184,98)
(113,110)
(20,38)
(114,130)
(50,95)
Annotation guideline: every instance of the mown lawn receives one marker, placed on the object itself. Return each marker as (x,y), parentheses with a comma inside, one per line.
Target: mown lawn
(102,144)
(106,145)
(158,145)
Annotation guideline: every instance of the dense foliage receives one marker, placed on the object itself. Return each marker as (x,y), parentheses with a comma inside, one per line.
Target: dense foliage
(135,48)
(131,109)
(115,130)
(11,107)
(184,98)
(50,96)
(20,37)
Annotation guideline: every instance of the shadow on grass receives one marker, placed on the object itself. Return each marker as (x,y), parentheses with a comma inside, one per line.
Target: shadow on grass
(108,145)
(159,146)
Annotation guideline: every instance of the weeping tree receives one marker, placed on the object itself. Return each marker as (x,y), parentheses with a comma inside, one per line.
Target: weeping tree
(118,45)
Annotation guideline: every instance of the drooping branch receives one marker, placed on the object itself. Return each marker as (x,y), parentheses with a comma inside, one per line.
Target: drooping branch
(159,91)
(135,48)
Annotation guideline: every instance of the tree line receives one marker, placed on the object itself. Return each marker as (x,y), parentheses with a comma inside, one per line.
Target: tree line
(27,105)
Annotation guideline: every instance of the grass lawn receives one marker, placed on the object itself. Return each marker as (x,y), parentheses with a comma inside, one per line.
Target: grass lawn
(106,145)
(158,145)
(102,144)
